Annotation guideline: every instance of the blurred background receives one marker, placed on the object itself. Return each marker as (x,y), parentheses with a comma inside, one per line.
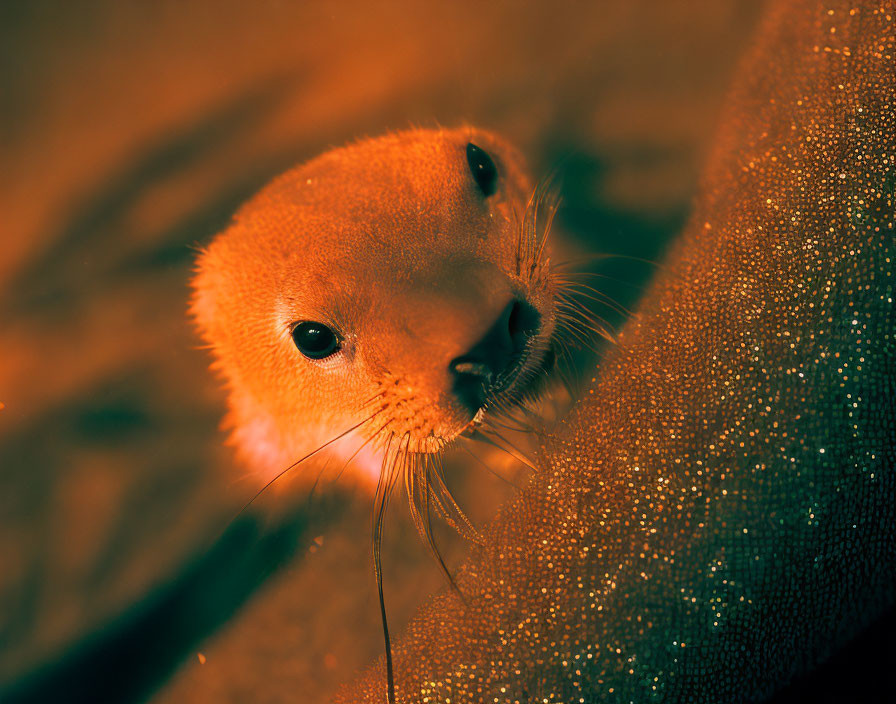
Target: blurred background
(129,133)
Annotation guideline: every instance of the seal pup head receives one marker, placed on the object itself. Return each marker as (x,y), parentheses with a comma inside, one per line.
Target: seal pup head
(390,288)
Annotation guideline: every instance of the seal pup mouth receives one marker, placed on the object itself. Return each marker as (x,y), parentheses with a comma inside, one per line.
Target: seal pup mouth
(527,381)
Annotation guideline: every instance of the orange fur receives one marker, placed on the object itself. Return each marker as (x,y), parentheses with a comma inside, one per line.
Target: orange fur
(388,242)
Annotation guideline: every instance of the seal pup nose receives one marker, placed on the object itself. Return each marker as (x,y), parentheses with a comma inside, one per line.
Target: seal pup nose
(492,357)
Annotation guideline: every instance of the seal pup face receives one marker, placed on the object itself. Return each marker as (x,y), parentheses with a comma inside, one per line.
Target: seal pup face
(390,288)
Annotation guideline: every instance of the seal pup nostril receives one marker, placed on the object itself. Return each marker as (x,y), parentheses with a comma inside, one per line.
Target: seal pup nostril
(472,380)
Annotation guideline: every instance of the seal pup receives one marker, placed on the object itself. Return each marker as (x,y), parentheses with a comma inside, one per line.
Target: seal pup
(379,301)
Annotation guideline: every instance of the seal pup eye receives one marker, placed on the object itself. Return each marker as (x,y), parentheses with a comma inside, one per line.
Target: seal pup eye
(483,169)
(315,340)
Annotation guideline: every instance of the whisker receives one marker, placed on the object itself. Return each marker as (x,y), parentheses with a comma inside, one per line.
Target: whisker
(482,437)
(564,264)
(563,376)
(572,319)
(573,291)
(518,227)
(423,521)
(448,507)
(585,331)
(569,326)
(524,425)
(532,417)
(656,265)
(381,500)
(503,410)
(569,278)
(316,480)
(571,304)
(552,196)
(602,256)
(298,462)
(363,445)
(490,470)
(373,398)
(506,441)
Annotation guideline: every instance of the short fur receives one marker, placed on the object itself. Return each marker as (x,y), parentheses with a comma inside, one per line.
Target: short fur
(389,242)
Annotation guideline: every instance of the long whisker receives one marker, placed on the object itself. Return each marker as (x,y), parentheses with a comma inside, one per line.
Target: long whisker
(503,410)
(656,265)
(586,329)
(565,264)
(529,425)
(518,227)
(373,437)
(577,324)
(573,305)
(490,470)
(545,196)
(444,501)
(569,325)
(424,522)
(482,437)
(298,462)
(569,278)
(495,434)
(320,473)
(552,198)
(563,375)
(574,291)
(383,490)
